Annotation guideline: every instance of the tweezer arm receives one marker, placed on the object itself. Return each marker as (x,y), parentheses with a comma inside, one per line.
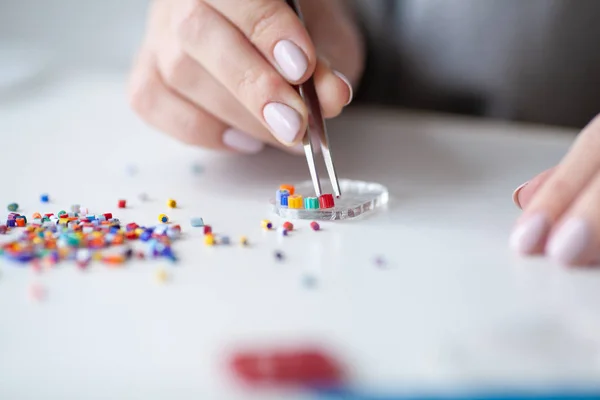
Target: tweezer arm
(316,124)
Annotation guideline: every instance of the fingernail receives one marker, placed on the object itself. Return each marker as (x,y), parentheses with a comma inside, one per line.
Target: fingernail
(291,60)
(284,122)
(241,141)
(347,82)
(572,243)
(515,195)
(527,236)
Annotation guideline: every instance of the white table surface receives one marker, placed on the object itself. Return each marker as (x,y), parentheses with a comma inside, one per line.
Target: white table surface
(451,283)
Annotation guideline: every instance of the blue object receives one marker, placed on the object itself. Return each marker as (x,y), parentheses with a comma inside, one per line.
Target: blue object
(45,198)
(197,222)
(224,240)
(279,194)
(349,394)
(283,199)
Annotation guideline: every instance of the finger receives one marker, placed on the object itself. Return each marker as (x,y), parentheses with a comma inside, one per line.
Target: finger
(165,110)
(276,31)
(574,241)
(523,194)
(565,184)
(205,34)
(333,88)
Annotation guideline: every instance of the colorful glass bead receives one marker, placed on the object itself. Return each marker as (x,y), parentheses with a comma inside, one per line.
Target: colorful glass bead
(266,224)
(44,198)
(279,256)
(288,225)
(290,188)
(282,231)
(209,239)
(171,203)
(163,218)
(295,201)
(13,207)
(279,193)
(311,203)
(224,240)
(197,222)
(36,215)
(122,203)
(315,226)
(207,229)
(326,201)
(244,241)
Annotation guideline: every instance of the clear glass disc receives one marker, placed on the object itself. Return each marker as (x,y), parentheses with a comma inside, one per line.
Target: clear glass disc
(357,198)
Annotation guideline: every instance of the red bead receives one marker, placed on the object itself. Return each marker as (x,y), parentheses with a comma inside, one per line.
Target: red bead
(207,229)
(176,228)
(305,367)
(326,201)
(108,215)
(49,215)
(122,203)
(315,226)
(131,226)
(288,226)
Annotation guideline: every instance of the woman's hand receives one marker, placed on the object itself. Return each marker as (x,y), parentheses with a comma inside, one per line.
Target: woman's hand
(562,205)
(220,73)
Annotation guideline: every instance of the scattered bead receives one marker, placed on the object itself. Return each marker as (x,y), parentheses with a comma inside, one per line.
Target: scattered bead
(3,229)
(163,218)
(209,239)
(326,201)
(197,222)
(37,292)
(379,261)
(311,203)
(290,188)
(13,207)
(224,240)
(315,226)
(244,241)
(161,276)
(288,225)
(266,224)
(279,255)
(295,201)
(36,215)
(207,229)
(171,203)
(44,198)
(122,203)
(282,231)
(305,367)
(143,197)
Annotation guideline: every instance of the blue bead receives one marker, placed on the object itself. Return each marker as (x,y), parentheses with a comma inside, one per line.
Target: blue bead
(11,223)
(279,194)
(45,198)
(283,200)
(197,222)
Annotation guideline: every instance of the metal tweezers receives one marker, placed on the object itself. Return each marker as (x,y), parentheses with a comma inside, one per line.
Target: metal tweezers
(316,126)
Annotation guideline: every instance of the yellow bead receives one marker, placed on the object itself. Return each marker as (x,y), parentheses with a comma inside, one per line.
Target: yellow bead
(161,276)
(139,231)
(163,218)
(171,203)
(266,224)
(295,201)
(244,241)
(209,239)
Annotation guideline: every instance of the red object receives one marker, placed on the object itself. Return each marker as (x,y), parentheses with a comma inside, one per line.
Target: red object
(122,203)
(315,226)
(326,201)
(132,226)
(176,228)
(131,235)
(288,226)
(108,215)
(207,229)
(49,215)
(301,367)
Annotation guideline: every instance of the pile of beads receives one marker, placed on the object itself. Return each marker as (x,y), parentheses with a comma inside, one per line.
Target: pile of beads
(84,237)
(285,197)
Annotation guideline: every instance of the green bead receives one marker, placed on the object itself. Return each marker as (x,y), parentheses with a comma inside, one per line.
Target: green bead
(311,203)
(13,207)
(61,213)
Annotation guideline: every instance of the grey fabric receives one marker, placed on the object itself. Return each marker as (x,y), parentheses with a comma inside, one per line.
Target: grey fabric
(528,60)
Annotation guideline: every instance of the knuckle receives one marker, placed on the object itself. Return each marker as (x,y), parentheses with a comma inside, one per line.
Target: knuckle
(262,19)
(142,94)
(193,21)
(175,69)
(257,80)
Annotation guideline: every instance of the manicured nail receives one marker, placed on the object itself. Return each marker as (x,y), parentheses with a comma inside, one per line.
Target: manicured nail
(241,141)
(291,60)
(284,122)
(572,243)
(515,195)
(528,235)
(347,82)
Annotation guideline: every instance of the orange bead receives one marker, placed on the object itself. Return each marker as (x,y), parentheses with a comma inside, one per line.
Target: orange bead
(36,215)
(289,188)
